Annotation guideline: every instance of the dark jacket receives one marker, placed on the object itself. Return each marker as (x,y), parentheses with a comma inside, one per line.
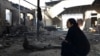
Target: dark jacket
(78,43)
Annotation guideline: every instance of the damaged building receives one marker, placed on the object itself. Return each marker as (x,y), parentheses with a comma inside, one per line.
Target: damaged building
(88,14)
(10,14)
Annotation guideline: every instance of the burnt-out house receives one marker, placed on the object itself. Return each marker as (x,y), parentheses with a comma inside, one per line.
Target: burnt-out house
(89,13)
(13,15)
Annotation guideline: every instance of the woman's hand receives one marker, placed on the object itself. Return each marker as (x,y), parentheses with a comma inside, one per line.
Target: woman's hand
(62,38)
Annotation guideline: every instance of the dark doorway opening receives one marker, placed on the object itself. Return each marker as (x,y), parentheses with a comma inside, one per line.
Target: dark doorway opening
(93,21)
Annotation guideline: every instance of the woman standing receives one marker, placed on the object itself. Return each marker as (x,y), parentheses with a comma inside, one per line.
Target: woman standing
(75,42)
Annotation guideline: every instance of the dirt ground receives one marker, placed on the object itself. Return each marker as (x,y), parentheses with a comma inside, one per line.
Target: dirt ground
(52,38)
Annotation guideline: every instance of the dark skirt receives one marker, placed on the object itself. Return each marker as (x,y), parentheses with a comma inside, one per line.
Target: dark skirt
(69,50)
(66,50)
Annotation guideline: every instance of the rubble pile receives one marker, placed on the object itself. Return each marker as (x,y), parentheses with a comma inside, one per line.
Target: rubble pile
(48,41)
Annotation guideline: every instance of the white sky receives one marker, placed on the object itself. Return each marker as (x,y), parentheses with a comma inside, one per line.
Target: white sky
(23,3)
(42,2)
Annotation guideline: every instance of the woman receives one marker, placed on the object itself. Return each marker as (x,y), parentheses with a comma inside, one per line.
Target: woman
(75,43)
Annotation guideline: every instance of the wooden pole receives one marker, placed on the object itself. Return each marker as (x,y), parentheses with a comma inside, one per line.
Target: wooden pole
(38,5)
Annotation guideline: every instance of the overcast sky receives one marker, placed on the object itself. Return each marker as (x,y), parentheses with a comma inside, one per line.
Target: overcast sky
(22,2)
